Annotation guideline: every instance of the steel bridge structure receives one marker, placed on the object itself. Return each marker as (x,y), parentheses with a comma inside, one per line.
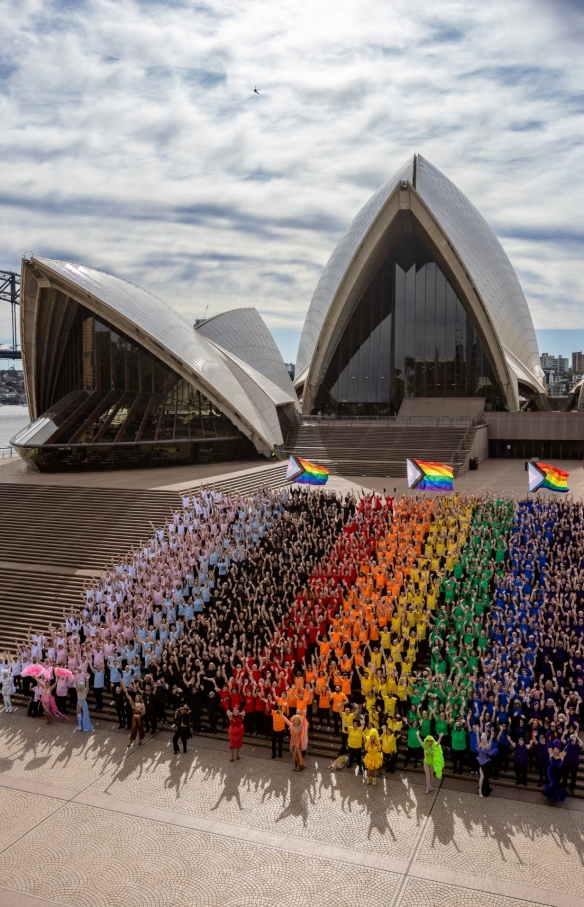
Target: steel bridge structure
(10,292)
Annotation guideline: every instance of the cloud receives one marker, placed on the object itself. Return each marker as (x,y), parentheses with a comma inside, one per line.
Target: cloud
(132,139)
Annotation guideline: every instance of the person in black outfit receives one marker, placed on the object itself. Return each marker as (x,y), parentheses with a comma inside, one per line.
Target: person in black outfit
(183,732)
(150,723)
(160,700)
(120,701)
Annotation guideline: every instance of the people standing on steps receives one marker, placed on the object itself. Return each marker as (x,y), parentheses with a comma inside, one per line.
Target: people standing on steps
(351,594)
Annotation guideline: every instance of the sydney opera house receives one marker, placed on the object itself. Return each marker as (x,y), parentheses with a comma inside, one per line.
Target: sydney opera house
(418,300)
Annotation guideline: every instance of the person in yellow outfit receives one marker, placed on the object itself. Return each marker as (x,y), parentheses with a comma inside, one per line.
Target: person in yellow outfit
(355,745)
(388,749)
(373,757)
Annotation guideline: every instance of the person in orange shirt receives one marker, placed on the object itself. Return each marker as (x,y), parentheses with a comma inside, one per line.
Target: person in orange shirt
(278,728)
(346,684)
(324,704)
(338,700)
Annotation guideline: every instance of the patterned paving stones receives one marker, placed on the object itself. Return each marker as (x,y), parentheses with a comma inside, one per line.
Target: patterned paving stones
(420,893)
(337,810)
(130,861)
(84,826)
(21,811)
(507,840)
(29,748)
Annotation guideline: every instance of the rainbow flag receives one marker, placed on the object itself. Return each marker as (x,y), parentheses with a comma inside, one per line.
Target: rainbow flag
(306,473)
(425,476)
(540,475)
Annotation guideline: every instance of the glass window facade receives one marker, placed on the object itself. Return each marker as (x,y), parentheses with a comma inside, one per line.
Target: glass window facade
(116,405)
(408,336)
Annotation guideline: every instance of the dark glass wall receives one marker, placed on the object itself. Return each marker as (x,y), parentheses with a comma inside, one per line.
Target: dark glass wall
(408,336)
(115,405)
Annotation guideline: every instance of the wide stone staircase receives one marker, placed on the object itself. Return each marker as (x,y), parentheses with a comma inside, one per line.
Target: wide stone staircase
(379,449)
(272,476)
(57,537)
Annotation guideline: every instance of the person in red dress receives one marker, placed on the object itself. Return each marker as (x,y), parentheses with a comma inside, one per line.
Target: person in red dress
(235,732)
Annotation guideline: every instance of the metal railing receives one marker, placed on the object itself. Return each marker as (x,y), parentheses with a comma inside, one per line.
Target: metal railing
(457,459)
(6,452)
(394,421)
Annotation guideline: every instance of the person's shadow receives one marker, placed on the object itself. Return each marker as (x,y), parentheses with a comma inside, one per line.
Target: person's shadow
(230,792)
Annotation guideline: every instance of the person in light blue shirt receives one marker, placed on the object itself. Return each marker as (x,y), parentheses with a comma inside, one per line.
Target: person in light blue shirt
(114,670)
(127,676)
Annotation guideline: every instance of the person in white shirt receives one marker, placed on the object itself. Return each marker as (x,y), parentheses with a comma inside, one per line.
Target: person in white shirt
(7,689)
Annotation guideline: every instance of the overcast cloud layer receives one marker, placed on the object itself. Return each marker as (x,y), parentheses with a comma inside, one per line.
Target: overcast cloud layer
(131,141)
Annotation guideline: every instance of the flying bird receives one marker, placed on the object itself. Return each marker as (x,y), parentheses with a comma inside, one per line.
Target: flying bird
(257,90)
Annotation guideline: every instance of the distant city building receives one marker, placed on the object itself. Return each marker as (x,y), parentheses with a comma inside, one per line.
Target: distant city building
(557,364)
(578,362)
(291,369)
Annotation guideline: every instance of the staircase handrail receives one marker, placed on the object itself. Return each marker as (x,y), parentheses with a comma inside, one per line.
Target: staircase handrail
(455,459)
(393,421)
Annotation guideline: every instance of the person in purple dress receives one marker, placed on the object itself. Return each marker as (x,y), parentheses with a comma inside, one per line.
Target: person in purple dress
(554,791)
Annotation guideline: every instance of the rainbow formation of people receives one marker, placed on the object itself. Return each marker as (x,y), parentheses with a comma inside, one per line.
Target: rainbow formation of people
(421,627)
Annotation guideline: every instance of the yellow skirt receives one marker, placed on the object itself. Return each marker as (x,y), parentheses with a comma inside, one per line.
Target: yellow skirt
(373,760)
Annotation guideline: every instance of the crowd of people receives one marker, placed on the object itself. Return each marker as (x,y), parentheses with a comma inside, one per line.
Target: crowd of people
(409,626)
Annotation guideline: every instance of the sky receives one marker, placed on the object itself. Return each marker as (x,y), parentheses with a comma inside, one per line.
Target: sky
(131,139)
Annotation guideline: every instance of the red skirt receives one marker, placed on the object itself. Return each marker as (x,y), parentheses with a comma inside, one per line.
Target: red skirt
(236,736)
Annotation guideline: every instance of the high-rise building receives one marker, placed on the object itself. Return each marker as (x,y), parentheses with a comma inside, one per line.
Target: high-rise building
(578,362)
(559,364)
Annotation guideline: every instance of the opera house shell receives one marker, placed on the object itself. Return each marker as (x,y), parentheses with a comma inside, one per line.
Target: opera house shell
(116,378)
(418,299)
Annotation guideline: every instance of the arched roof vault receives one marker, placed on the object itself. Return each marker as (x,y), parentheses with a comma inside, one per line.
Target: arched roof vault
(419,199)
(48,285)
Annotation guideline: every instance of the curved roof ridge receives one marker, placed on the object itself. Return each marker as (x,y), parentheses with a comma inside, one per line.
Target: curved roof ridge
(342,256)
(486,261)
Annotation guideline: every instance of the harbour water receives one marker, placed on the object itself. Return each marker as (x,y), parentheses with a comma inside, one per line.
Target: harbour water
(12,419)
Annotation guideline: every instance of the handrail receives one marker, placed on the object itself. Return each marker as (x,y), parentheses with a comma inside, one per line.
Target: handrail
(455,459)
(397,421)
(6,452)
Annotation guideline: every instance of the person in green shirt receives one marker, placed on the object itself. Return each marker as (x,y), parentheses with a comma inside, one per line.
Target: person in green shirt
(459,746)
(414,747)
